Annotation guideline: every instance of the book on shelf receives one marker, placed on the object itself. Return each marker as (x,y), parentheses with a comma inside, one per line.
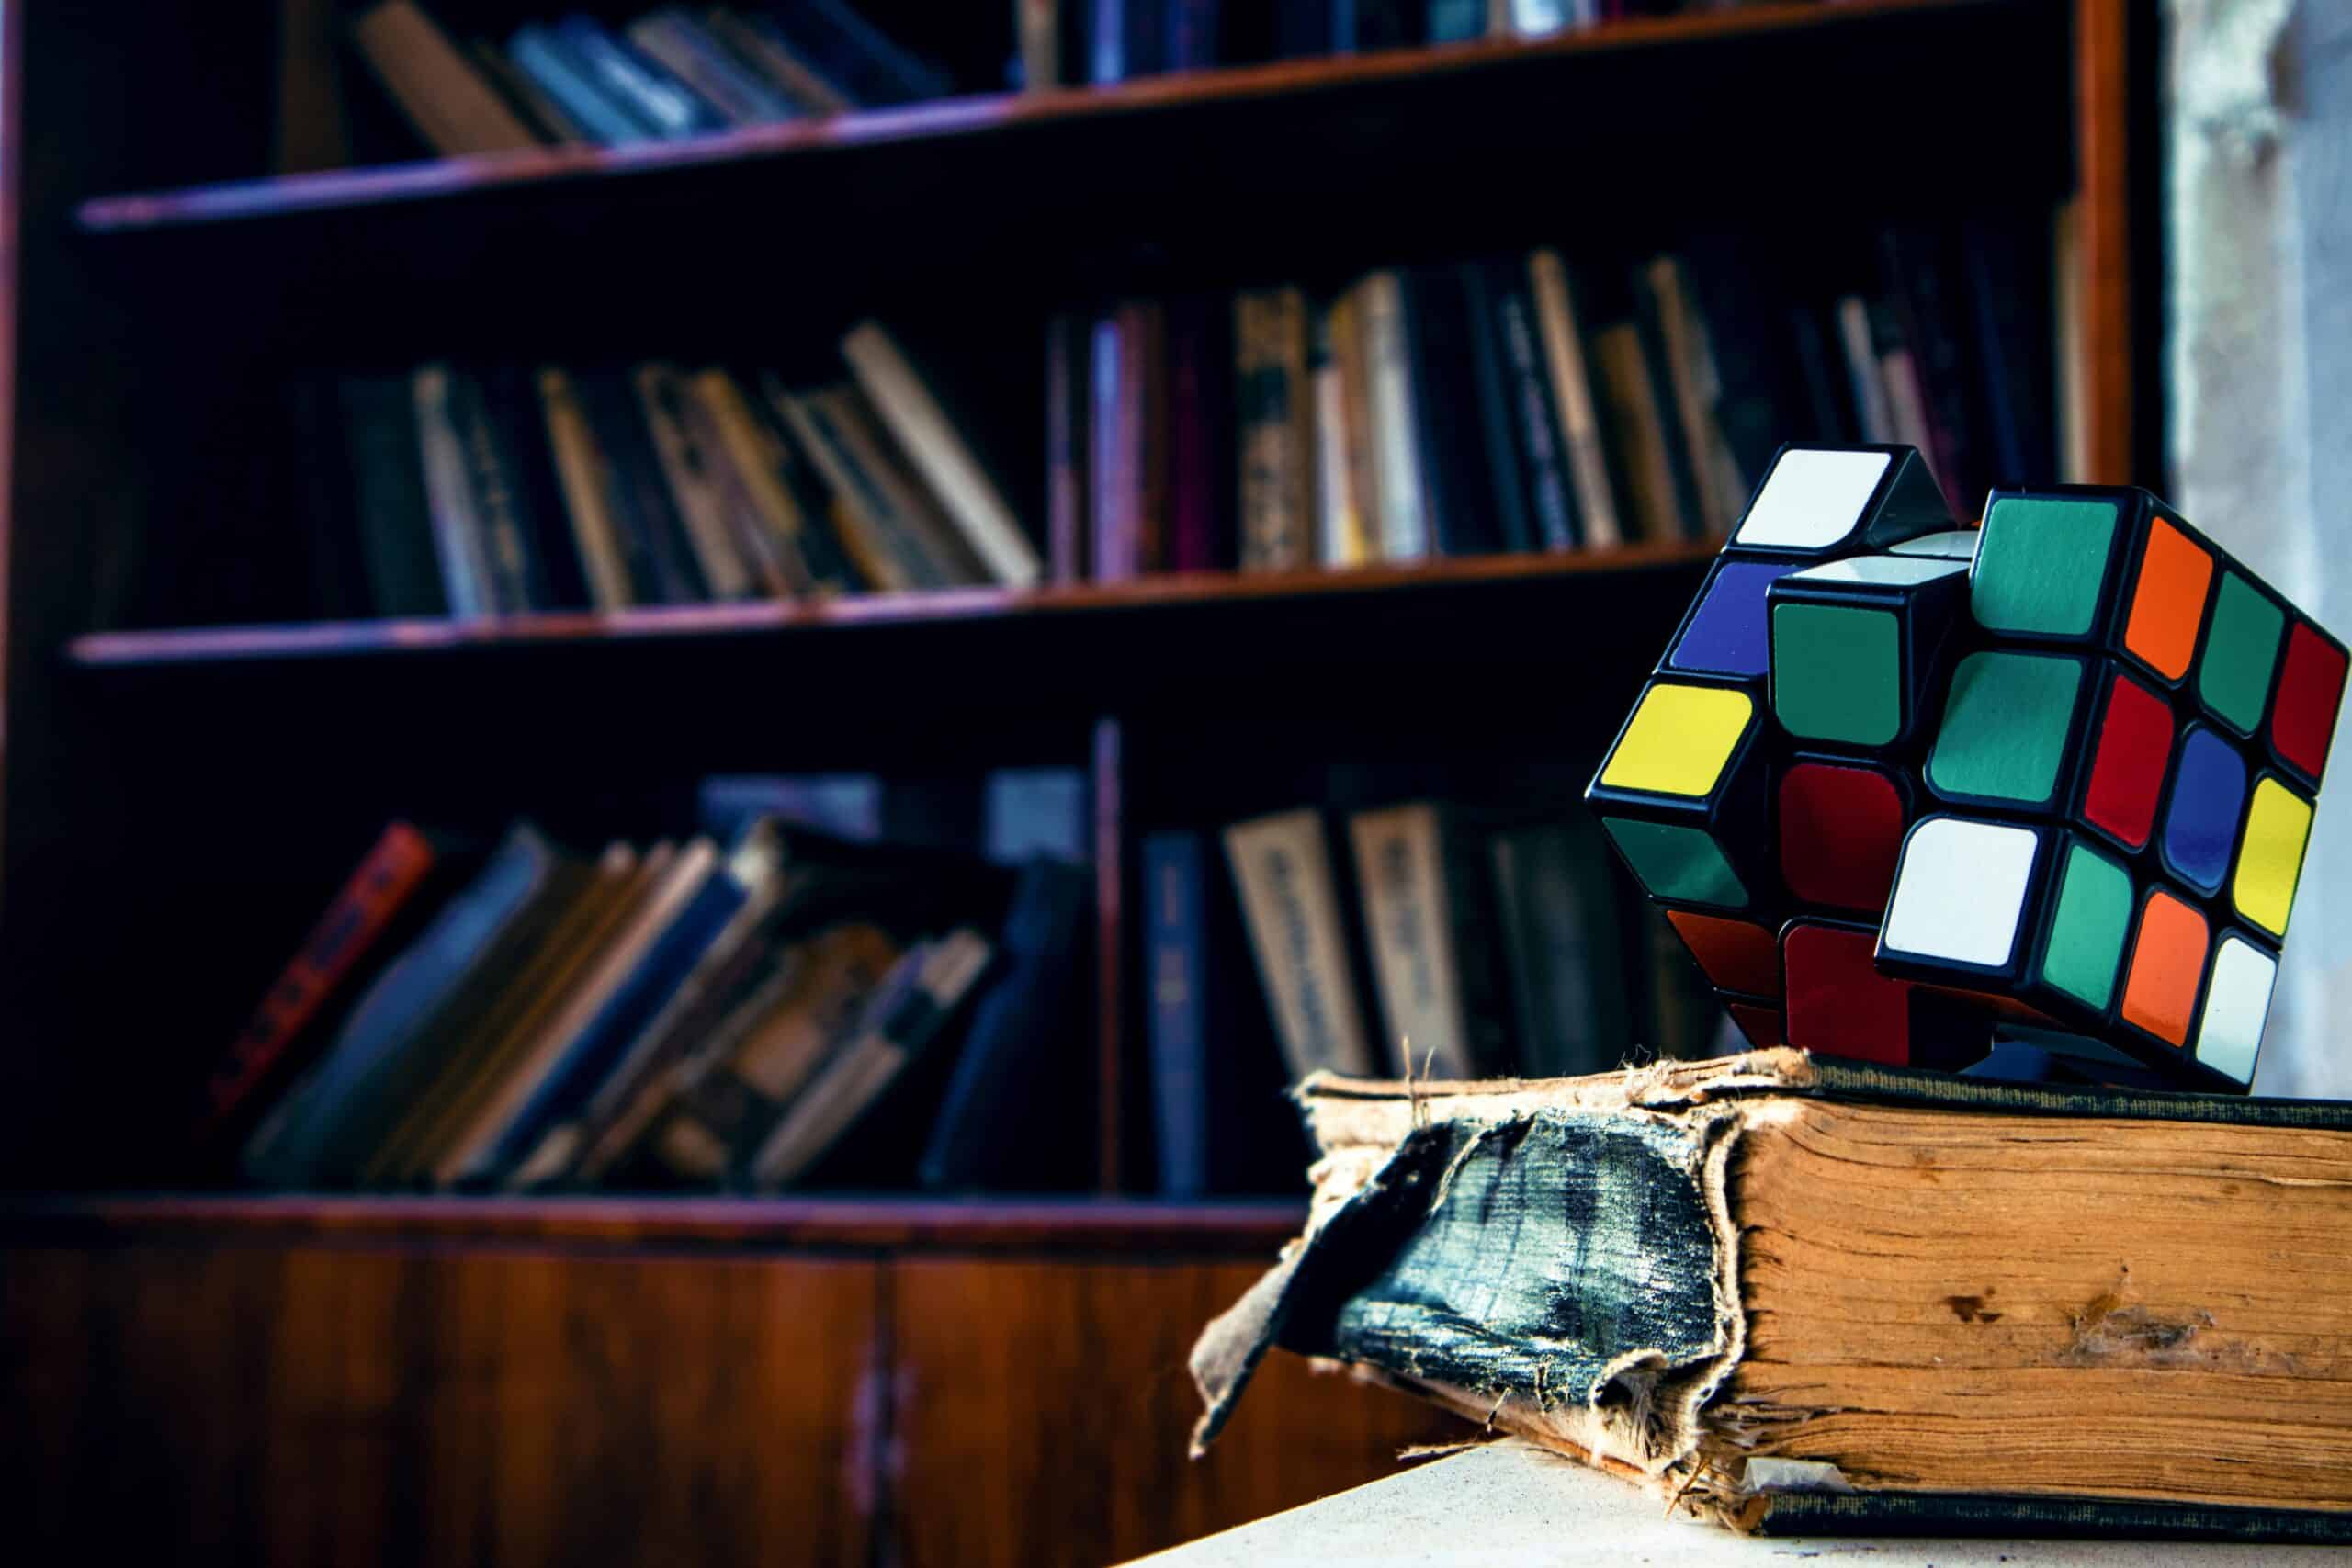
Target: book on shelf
(779,1007)
(1802,1296)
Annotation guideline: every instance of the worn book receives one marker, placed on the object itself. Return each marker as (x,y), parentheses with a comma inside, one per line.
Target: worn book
(452,108)
(1297,921)
(1803,1296)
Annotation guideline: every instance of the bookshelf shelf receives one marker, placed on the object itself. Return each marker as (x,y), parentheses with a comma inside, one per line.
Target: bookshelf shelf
(1217,1228)
(1287,150)
(1477,585)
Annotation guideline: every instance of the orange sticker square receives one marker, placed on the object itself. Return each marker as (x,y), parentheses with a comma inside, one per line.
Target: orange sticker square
(2168,604)
(2167,964)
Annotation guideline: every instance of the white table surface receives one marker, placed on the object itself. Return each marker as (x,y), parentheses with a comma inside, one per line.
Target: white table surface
(1509,1505)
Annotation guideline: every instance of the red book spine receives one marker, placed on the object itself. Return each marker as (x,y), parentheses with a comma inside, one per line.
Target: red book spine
(353,925)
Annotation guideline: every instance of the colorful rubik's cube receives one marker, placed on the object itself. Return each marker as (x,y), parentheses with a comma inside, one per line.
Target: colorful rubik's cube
(1898,783)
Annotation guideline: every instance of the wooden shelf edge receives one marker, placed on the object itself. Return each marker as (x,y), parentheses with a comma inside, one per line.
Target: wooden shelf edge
(1119,1227)
(977,114)
(211,645)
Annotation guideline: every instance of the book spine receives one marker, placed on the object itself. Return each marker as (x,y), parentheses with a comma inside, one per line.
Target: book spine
(1351,357)
(777,531)
(449,492)
(858,505)
(1399,877)
(1637,427)
(1579,411)
(755,42)
(382,887)
(1498,430)
(664,107)
(675,42)
(966,493)
(652,545)
(1111,462)
(1715,481)
(580,472)
(388,496)
(1067,448)
(519,432)
(1539,422)
(443,97)
(550,64)
(1339,533)
(690,469)
(1038,28)
(517,581)
(1276,417)
(1143,410)
(1176,890)
(1682,461)
(1405,533)
(1191,533)
(1290,903)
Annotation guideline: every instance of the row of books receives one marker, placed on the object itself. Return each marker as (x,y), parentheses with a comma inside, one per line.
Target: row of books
(781,1009)
(1526,403)
(1100,41)
(676,72)
(474,493)
(1495,943)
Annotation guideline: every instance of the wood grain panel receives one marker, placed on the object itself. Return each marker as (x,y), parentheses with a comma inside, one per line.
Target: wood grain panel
(360,1408)
(1043,1411)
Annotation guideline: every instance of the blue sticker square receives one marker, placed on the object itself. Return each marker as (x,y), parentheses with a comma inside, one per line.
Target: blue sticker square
(2201,822)
(1726,635)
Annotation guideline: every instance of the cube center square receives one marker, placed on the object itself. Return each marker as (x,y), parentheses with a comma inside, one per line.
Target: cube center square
(1679,739)
(2005,728)
(1838,674)
(1960,892)
(2042,565)
(2208,798)
(1903,785)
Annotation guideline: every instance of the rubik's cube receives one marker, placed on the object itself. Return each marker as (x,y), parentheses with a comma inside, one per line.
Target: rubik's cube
(1900,785)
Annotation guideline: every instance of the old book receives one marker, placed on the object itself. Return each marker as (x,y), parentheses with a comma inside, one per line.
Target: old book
(1067,348)
(1127,463)
(695,469)
(1274,404)
(1499,439)
(1290,901)
(460,540)
(1458,482)
(404,1154)
(322,1131)
(675,39)
(654,550)
(557,72)
(1799,1295)
(758,44)
(1697,394)
(906,1018)
(1343,535)
(358,930)
(659,101)
(515,437)
(1551,502)
(583,476)
(725,1108)
(911,516)
(1352,362)
(397,555)
(544,117)
(444,98)
(1638,433)
(970,496)
(1580,409)
(474,1155)
(1427,894)
(779,531)
(1564,946)
(859,509)
(1393,419)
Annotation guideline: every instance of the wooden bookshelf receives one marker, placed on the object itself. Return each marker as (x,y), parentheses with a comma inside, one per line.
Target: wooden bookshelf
(959,1370)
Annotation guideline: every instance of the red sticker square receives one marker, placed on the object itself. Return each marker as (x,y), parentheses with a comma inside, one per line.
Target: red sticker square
(2132,747)
(1841,831)
(2303,721)
(1737,955)
(1837,1001)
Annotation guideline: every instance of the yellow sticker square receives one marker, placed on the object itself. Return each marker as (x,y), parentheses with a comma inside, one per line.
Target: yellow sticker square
(2270,857)
(1679,738)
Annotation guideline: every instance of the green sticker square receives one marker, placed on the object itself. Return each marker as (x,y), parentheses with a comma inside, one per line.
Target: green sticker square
(1837,673)
(2041,564)
(2240,650)
(2086,932)
(1677,863)
(2005,727)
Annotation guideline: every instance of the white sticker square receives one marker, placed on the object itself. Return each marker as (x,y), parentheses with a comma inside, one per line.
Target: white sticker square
(2236,1004)
(1961,891)
(1813,499)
